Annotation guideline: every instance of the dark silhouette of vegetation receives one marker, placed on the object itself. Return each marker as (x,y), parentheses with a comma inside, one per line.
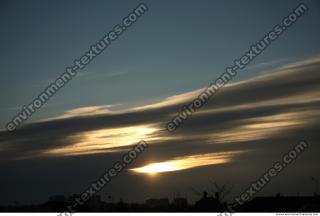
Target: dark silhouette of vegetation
(209,202)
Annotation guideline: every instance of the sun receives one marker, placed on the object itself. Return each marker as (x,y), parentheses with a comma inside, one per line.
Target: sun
(156,168)
(187,162)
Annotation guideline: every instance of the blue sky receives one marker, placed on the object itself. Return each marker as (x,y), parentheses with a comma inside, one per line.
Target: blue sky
(174,48)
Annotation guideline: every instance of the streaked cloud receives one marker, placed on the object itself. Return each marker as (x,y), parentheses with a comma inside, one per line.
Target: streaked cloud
(170,101)
(238,118)
(271,63)
(85,111)
(259,128)
(104,140)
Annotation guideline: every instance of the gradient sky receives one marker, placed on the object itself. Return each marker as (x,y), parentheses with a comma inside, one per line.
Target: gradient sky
(176,47)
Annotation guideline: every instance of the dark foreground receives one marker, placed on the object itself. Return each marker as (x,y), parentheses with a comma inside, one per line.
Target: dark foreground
(207,203)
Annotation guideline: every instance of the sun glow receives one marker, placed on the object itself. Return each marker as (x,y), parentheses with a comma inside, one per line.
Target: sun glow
(187,162)
(104,140)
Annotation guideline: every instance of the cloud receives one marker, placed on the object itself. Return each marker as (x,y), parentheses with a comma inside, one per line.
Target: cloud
(85,111)
(271,63)
(244,129)
(264,108)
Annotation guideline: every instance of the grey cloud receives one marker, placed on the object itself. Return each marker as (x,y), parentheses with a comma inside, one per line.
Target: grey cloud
(293,83)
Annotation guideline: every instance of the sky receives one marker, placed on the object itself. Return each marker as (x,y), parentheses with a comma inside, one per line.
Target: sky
(163,60)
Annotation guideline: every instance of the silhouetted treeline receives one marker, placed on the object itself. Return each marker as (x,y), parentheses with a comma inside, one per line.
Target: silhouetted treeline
(207,203)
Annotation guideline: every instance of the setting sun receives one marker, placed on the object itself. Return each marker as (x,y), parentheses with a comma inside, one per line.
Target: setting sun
(187,162)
